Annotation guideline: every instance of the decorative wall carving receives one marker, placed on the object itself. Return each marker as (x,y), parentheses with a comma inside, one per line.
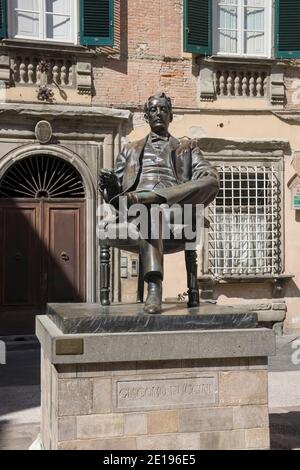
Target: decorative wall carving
(23,68)
(226,79)
(43,132)
(241,82)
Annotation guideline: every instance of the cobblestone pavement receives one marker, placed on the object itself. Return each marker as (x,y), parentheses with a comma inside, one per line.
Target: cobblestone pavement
(20,395)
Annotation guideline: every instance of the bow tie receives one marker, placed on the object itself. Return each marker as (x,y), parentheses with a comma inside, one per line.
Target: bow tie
(158,138)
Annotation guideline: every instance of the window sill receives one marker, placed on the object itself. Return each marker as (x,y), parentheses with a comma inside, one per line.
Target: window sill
(47,47)
(279,282)
(216,59)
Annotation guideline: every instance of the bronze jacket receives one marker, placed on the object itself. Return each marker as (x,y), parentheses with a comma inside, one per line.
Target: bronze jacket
(188,162)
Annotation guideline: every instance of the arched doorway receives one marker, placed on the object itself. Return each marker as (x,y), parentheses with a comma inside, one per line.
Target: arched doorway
(42,238)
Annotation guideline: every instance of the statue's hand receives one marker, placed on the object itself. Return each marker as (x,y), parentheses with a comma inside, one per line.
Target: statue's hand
(107,180)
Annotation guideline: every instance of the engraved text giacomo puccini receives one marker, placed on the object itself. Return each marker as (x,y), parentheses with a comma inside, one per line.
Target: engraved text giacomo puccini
(163,392)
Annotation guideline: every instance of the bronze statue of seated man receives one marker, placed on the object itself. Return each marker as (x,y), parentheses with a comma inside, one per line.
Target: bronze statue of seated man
(157,170)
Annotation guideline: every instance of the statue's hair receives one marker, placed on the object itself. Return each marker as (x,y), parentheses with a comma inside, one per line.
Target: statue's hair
(160,95)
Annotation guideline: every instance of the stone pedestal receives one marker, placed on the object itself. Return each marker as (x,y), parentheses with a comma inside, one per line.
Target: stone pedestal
(167,390)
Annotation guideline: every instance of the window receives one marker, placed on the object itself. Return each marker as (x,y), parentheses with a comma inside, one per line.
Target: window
(244,236)
(242,27)
(58,20)
(50,20)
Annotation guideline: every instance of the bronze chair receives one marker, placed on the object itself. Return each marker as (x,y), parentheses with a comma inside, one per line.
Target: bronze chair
(191,272)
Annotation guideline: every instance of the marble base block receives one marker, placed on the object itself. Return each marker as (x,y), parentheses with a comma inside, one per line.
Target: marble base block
(182,390)
(121,318)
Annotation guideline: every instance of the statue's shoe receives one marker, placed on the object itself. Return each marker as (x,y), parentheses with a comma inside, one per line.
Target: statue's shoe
(154,298)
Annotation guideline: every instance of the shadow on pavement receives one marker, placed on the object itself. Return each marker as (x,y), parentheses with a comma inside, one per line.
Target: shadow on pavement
(19,399)
(19,384)
(285,430)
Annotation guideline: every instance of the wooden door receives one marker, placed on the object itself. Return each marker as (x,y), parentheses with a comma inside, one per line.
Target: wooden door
(20,255)
(42,259)
(64,260)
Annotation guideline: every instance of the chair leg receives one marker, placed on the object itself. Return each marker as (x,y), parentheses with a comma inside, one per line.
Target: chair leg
(192,281)
(140,282)
(104,275)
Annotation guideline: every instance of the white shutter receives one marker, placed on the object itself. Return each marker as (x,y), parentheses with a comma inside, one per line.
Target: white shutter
(26,18)
(59,20)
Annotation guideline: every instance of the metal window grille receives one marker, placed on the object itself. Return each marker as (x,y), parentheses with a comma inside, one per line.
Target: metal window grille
(244,235)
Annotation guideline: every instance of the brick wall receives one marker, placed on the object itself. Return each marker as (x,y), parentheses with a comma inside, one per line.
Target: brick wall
(150,57)
(130,84)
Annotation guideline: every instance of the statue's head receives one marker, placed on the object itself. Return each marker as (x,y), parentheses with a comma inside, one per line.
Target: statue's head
(158,113)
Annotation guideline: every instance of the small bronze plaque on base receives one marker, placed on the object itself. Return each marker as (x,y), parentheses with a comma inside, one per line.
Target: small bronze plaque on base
(66,347)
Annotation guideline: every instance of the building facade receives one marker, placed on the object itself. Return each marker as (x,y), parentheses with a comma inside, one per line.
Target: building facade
(75,76)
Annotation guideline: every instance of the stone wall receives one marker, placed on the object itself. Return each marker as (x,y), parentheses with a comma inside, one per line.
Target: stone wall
(213,404)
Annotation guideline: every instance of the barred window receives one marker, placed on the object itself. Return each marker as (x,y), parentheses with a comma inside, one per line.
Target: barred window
(244,235)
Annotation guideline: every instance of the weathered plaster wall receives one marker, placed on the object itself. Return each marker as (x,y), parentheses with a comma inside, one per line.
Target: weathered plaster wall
(242,125)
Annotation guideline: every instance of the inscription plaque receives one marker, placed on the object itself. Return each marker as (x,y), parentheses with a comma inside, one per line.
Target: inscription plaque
(176,392)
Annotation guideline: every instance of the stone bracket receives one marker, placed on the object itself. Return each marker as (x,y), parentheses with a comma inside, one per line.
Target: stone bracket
(5,74)
(84,77)
(207,86)
(277,88)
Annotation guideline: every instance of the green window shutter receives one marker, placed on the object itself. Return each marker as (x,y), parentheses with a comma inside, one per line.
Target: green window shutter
(197,26)
(3,19)
(287,29)
(97,22)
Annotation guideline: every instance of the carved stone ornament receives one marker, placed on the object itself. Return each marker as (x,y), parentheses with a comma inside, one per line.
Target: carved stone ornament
(43,132)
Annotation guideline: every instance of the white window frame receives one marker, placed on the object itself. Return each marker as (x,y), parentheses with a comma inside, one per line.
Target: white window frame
(74,24)
(268,27)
